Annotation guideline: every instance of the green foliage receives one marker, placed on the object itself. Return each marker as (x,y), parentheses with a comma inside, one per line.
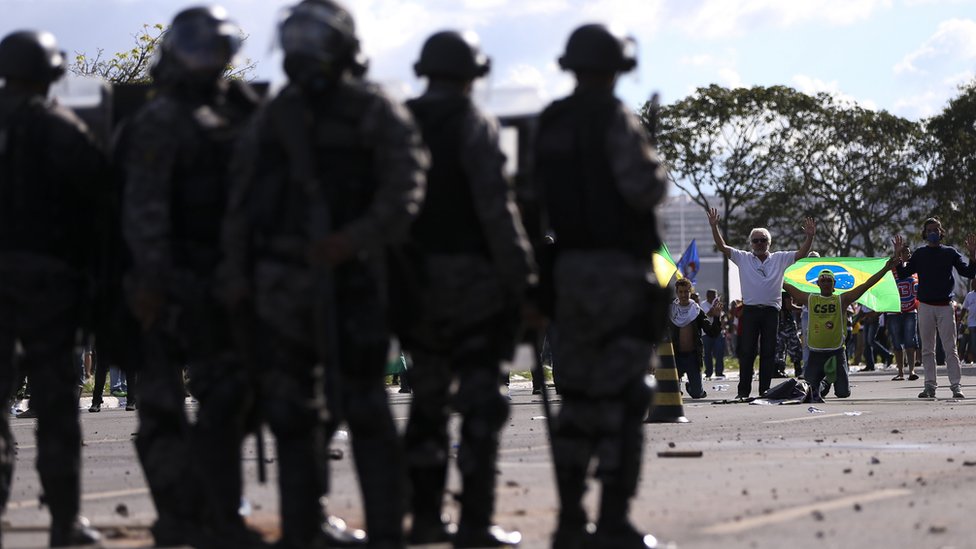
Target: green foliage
(132,66)
(771,156)
(124,67)
(952,180)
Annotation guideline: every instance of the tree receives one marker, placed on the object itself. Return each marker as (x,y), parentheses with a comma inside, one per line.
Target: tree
(951,185)
(859,172)
(132,66)
(730,143)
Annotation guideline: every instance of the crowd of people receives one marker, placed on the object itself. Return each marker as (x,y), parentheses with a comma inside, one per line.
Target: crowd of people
(780,317)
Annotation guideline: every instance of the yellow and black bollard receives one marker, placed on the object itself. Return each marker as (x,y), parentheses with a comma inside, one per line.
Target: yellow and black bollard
(666,406)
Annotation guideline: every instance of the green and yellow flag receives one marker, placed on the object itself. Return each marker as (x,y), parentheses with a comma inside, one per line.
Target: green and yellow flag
(848,273)
(664,265)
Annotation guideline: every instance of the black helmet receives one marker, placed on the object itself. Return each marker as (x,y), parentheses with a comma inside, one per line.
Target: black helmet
(452,54)
(320,33)
(596,48)
(201,41)
(32,56)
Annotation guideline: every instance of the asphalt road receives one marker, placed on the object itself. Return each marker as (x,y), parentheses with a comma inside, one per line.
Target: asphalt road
(880,469)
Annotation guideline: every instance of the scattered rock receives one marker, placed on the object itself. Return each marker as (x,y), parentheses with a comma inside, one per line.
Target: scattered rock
(817,515)
(511,483)
(857,507)
(875,461)
(122,510)
(950,460)
(847,471)
(670,445)
(937,529)
(895,431)
(969,463)
(520,512)
(818,440)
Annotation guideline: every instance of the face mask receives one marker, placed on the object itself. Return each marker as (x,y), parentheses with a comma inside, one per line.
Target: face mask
(934,237)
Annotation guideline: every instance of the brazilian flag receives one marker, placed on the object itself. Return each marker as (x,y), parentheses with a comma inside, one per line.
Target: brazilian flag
(664,265)
(849,272)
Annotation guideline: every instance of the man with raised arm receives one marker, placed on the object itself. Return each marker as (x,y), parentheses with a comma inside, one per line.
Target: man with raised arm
(827,331)
(933,263)
(761,278)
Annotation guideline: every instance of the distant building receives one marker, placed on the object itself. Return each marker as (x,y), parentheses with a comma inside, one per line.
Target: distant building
(683,220)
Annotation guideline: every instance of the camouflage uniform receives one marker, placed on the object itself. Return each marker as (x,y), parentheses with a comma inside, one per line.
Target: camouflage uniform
(370,168)
(788,343)
(177,151)
(477,263)
(602,181)
(50,177)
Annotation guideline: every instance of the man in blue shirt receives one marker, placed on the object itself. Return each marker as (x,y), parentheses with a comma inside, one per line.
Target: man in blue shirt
(934,263)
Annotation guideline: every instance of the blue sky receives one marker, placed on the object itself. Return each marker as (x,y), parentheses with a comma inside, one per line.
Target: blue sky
(904,56)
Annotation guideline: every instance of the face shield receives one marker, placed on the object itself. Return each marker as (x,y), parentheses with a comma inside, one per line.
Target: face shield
(203,46)
(319,44)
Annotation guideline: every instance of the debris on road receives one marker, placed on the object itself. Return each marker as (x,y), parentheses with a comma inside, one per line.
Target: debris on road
(681,454)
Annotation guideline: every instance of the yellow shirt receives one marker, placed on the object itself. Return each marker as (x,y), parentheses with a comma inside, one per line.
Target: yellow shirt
(827,328)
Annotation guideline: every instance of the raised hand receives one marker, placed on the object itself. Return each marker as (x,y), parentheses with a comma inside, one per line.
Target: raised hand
(809,226)
(713,217)
(898,242)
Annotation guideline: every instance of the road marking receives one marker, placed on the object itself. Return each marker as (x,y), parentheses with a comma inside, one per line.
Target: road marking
(807,418)
(84,497)
(737,526)
(85,443)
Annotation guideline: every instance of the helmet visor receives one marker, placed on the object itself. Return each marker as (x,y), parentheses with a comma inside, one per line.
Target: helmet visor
(204,46)
(311,37)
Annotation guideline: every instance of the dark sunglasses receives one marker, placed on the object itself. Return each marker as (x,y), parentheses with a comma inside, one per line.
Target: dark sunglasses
(759,240)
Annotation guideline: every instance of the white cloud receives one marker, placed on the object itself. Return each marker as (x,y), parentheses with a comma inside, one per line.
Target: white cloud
(729,78)
(921,105)
(811,86)
(724,18)
(954,39)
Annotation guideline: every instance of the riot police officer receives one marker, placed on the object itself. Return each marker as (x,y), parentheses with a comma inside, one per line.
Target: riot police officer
(331,172)
(476,264)
(50,176)
(602,180)
(175,160)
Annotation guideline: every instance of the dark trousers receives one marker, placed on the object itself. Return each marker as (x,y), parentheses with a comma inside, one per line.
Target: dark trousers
(714,354)
(759,325)
(163,438)
(475,362)
(39,307)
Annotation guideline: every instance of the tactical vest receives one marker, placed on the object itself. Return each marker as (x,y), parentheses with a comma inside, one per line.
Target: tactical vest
(40,207)
(586,210)
(200,184)
(448,222)
(278,205)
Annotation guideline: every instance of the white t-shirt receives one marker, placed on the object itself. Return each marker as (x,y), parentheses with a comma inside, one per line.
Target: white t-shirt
(762,281)
(970,306)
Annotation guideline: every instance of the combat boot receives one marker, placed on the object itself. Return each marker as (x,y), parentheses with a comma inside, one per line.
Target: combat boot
(613,528)
(490,536)
(427,490)
(335,533)
(621,536)
(77,533)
